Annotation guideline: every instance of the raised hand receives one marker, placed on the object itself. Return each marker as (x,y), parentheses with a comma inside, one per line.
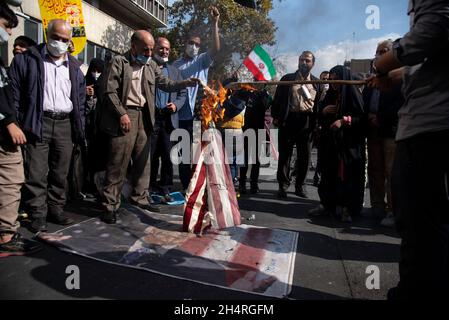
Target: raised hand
(214,13)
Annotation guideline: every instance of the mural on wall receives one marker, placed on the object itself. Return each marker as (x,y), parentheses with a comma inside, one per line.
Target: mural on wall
(72,12)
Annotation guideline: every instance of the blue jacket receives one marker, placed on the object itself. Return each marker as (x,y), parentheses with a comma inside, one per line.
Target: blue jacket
(177,98)
(27,75)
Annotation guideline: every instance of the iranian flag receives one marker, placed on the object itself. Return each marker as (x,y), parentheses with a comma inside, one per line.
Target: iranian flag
(259,63)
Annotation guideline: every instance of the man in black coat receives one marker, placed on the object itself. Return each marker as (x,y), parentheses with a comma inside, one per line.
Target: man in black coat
(293,112)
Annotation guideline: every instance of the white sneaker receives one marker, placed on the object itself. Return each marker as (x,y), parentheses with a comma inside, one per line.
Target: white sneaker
(345,216)
(388,221)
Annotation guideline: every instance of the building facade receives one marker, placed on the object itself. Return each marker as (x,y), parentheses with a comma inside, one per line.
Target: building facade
(109,25)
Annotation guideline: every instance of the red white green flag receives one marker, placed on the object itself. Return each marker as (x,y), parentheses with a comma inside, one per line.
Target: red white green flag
(260,64)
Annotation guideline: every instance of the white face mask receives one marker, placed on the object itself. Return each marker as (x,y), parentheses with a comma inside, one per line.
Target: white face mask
(162,59)
(4,36)
(96,75)
(57,48)
(192,50)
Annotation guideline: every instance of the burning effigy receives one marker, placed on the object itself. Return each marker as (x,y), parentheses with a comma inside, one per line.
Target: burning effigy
(211,200)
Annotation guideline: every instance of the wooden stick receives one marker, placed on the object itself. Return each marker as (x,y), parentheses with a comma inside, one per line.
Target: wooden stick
(290,83)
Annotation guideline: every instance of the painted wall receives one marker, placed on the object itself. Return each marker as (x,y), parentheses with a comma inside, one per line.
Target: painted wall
(101,28)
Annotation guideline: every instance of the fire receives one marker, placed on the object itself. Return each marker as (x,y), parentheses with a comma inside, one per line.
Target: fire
(211,111)
(247,87)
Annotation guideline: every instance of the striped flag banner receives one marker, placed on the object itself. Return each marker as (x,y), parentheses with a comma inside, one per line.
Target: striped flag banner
(211,200)
(243,258)
(260,64)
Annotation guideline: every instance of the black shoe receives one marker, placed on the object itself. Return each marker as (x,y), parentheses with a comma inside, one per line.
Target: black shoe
(282,194)
(150,207)
(38,225)
(242,188)
(300,192)
(60,219)
(109,217)
(18,246)
(254,189)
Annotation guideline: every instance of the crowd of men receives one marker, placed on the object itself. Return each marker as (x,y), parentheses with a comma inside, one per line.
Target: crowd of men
(120,117)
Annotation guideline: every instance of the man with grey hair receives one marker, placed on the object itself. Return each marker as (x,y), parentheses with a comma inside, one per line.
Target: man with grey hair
(383,119)
(128,115)
(49,94)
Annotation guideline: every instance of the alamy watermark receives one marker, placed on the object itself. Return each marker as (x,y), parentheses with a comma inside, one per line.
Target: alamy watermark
(373,280)
(72,282)
(250,145)
(372,22)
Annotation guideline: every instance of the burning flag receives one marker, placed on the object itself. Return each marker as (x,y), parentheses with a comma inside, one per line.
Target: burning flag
(211,200)
(259,63)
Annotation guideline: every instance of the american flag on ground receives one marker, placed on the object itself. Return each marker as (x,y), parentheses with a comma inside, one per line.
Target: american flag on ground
(244,258)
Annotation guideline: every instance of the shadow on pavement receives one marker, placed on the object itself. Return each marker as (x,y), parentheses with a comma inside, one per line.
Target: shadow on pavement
(322,246)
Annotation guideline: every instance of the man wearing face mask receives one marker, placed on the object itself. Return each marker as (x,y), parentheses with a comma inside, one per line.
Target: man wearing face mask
(49,94)
(194,64)
(128,115)
(167,109)
(293,112)
(11,162)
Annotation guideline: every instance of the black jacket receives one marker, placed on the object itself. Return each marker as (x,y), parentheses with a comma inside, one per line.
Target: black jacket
(27,74)
(280,109)
(387,114)
(7,110)
(257,103)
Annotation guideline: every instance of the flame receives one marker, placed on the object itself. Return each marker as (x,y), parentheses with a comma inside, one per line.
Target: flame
(247,87)
(211,110)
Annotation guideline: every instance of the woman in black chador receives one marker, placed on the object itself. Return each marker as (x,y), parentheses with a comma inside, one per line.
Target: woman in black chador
(342,147)
(89,158)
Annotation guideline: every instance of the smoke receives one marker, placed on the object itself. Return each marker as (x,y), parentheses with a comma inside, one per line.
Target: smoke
(298,24)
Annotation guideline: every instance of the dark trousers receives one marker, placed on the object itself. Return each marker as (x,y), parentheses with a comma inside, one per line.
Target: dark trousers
(160,152)
(46,169)
(135,146)
(342,184)
(327,189)
(251,152)
(289,136)
(185,170)
(421,208)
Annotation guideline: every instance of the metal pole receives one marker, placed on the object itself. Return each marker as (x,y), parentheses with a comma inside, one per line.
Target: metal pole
(290,83)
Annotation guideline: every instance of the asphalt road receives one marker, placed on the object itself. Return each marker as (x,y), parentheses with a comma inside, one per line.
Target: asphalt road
(331,262)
